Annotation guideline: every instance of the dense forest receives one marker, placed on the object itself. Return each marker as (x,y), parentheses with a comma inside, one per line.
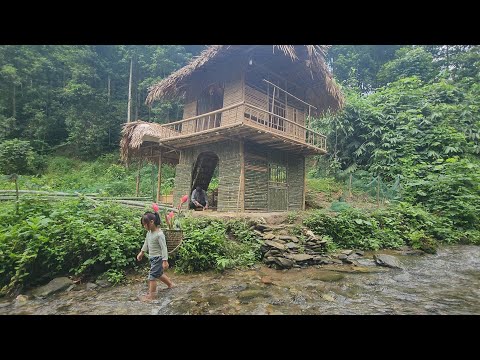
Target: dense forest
(412,118)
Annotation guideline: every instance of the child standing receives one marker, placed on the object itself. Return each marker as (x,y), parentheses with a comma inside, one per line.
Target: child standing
(156,247)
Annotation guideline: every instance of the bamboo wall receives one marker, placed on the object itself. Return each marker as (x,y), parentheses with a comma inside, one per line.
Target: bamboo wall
(190,109)
(257,159)
(256,178)
(296,180)
(228,153)
(233,94)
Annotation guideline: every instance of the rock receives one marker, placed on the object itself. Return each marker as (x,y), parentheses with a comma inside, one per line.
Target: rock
(342,257)
(102,283)
(258,233)
(352,257)
(310,234)
(268,260)
(268,236)
(263,227)
(275,244)
(246,295)
(327,276)
(346,252)
(284,263)
(91,286)
(272,252)
(266,280)
(291,245)
(328,297)
(366,262)
(359,252)
(21,298)
(299,257)
(387,260)
(53,286)
(288,238)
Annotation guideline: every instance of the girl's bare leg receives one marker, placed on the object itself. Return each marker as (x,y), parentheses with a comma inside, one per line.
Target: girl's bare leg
(152,291)
(166,280)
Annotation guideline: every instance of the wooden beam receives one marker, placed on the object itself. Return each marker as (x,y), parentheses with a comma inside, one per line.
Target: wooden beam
(242,177)
(304,183)
(159,176)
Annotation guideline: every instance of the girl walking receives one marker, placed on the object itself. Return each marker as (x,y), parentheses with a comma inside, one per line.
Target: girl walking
(156,247)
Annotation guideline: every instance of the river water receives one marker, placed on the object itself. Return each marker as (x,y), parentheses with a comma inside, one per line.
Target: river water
(445,283)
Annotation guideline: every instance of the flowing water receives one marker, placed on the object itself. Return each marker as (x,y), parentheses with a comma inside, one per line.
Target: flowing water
(445,283)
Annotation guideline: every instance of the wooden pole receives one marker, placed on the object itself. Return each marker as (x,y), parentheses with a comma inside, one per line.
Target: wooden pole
(304,182)
(138,177)
(153,175)
(159,176)
(108,85)
(129,104)
(242,178)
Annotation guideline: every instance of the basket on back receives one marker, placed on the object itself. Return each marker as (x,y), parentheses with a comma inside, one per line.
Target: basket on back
(173,238)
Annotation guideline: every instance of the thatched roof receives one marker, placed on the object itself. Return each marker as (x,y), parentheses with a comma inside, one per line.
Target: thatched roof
(134,134)
(325,93)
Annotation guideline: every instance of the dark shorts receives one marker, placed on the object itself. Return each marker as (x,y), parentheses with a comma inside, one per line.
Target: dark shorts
(156,267)
(193,206)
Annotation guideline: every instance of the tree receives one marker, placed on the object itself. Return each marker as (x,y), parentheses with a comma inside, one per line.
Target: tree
(16,157)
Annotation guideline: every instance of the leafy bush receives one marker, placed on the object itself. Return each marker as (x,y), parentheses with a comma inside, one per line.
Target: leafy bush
(450,189)
(213,244)
(402,224)
(65,238)
(18,157)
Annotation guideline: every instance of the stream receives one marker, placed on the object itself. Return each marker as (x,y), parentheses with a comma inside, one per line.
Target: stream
(445,283)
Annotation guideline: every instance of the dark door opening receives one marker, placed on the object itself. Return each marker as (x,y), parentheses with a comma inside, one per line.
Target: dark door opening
(205,175)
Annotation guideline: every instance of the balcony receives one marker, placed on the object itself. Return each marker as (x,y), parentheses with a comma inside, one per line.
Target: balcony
(244,121)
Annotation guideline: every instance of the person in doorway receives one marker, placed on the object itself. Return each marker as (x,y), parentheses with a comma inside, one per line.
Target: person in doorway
(156,247)
(199,199)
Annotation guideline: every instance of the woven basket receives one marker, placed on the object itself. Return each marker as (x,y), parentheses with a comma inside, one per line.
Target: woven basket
(174,239)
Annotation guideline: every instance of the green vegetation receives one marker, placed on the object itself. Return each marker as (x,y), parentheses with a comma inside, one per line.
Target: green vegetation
(106,176)
(215,244)
(71,237)
(403,166)
(391,228)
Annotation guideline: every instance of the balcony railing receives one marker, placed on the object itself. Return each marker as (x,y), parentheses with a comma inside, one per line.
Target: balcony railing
(250,115)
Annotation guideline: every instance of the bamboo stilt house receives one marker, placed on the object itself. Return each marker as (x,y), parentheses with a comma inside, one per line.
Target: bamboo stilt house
(246,117)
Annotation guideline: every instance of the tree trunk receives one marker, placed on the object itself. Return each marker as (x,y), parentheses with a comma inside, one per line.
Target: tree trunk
(137,90)
(14,106)
(108,85)
(130,92)
(137,104)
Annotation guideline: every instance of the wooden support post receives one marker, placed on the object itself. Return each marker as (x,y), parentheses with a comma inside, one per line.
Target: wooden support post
(241,186)
(159,176)
(304,182)
(138,177)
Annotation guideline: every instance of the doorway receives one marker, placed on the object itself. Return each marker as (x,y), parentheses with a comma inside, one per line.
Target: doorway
(205,175)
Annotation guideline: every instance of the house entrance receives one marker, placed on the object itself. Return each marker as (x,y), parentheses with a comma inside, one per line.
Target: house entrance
(205,175)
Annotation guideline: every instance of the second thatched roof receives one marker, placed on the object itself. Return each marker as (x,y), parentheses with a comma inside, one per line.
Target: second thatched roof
(135,133)
(325,92)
